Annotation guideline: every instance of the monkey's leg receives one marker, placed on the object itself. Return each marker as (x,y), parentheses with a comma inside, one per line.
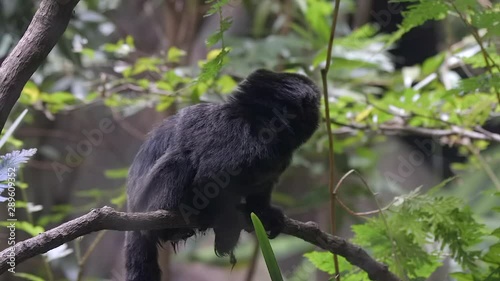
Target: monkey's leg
(229,222)
(142,258)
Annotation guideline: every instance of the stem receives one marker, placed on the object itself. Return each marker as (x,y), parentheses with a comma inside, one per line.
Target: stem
(24,197)
(487,169)
(253,262)
(331,181)
(220,29)
(87,254)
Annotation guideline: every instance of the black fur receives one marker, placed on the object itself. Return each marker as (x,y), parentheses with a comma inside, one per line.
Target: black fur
(218,163)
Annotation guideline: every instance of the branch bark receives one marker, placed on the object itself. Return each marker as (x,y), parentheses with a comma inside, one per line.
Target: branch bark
(108,218)
(48,25)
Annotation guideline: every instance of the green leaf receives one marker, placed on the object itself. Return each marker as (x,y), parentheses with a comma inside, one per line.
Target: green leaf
(322,261)
(165,103)
(31,93)
(174,54)
(164,86)
(62,98)
(493,255)
(216,6)
(461,276)
(116,173)
(432,64)
(226,84)
(316,16)
(489,20)
(483,83)
(25,226)
(422,12)
(419,13)
(218,36)
(438,187)
(267,251)
(130,41)
(94,193)
(477,60)
(28,276)
(92,96)
(211,69)
(88,52)
(320,57)
(143,83)
(120,199)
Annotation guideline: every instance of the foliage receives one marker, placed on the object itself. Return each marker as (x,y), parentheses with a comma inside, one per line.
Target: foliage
(9,164)
(416,234)
(324,262)
(211,68)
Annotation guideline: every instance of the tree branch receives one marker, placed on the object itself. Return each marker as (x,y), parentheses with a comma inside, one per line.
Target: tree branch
(47,26)
(108,218)
(396,129)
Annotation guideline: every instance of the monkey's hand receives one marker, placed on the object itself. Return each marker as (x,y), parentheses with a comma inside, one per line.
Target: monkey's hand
(271,217)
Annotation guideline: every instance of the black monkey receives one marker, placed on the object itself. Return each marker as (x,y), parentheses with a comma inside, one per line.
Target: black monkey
(218,163)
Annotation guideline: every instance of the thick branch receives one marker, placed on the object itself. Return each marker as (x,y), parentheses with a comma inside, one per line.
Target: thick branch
(107,218)
(47,26)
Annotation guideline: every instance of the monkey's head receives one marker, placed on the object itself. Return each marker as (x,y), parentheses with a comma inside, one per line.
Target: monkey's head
(292,98)
(283,88)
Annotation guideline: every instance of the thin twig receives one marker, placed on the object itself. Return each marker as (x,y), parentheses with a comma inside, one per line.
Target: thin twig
(487,169)
(90,250)
(331,180)
(24,197)
(253,261)
(357,214)
(398,129)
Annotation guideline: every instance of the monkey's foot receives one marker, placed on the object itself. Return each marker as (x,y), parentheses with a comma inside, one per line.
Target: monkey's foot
(271,217)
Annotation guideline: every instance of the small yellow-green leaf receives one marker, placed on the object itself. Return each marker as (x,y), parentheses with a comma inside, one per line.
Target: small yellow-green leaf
(130,41)
(226,84)
(175,54)
(165,103)
(116,173)
(31,90)
(364,114)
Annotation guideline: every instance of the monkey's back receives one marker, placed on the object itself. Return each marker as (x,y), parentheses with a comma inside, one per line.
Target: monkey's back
(208,139)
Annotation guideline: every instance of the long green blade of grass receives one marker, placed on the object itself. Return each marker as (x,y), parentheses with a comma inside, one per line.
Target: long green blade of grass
(267,251)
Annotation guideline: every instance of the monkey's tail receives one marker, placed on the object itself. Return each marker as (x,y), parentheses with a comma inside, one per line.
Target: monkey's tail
(141,258)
